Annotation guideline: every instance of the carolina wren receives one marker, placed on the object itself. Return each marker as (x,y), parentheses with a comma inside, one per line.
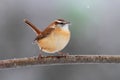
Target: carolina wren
(54,38)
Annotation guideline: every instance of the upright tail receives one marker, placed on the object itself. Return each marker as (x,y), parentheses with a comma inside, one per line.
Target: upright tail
(34,28)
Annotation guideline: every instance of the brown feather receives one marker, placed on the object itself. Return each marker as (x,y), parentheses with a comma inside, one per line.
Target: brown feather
(34,28)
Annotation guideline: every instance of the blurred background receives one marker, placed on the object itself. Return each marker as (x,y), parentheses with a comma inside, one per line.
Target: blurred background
(95,30)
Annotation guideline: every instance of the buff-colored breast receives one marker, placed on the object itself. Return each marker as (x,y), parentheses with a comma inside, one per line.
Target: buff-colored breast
(55,41)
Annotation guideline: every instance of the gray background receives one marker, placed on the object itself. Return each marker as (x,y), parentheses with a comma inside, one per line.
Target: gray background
(95,30)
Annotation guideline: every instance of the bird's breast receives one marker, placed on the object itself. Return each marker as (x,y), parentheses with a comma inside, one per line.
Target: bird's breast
(55,41)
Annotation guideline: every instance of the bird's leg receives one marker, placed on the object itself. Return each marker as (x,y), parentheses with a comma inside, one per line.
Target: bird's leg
(40,56)
(63,54)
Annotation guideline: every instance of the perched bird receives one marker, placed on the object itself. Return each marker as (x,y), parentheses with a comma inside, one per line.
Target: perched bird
(54,38)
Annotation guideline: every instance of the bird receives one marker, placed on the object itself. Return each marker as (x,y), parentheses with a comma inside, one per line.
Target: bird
(54,37)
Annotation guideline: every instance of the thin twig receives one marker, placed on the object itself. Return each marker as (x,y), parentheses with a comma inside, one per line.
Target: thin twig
(61,60)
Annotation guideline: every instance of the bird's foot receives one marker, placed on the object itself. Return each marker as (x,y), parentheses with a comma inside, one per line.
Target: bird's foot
(39,57)
(63,54)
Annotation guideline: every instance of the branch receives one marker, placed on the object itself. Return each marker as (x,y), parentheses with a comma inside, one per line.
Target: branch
(61,60)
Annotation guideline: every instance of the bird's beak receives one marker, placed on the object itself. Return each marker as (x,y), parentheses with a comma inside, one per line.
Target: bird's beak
(68,23)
